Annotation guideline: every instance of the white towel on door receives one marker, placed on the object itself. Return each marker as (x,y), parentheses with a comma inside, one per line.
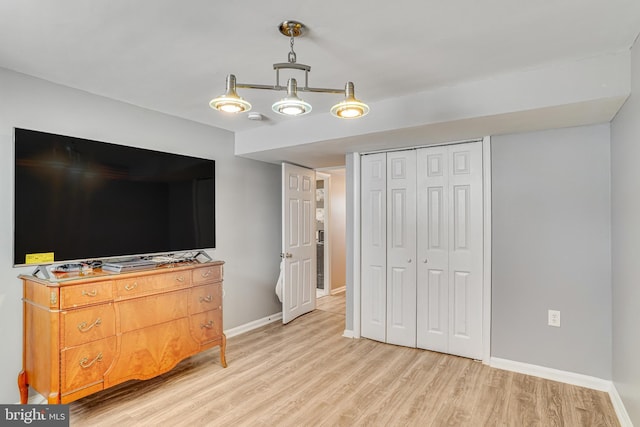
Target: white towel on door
(279,282)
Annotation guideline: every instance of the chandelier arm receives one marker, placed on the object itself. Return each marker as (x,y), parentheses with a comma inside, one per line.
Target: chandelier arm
(321,90)
(256,86)
(280,88)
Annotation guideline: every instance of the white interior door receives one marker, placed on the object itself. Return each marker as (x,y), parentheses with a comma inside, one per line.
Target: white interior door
(401,248)
(298,241)
(450,249)
(465,250)
(433,249)
(373,207)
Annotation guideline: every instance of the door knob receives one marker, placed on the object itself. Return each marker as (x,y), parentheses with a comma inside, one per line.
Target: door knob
(409,260)
(287,255)
(425,260)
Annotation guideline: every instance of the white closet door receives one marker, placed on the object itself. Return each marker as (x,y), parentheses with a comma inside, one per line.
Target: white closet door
(401,248)
(433,249)
(374,246)
(465,250)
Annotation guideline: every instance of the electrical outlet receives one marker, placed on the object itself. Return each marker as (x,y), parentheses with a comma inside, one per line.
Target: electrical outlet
(554,318)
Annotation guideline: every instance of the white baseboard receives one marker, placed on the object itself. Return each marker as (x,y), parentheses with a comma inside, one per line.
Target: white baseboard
(252,325)
(621,411)
(348,333)
(552,374)
(337,291)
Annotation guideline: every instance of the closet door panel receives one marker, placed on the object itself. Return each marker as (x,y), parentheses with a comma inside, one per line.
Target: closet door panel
(374,246)
(466,250)
(401,248)
(432,296)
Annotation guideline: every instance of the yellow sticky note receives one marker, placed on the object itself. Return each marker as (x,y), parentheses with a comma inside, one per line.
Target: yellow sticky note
(41,258)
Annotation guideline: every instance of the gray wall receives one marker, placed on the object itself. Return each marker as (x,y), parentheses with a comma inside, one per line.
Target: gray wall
(625,243)
(247,196)
(551,249)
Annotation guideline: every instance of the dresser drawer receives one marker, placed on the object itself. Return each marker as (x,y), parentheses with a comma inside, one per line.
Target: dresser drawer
(211,273)
(139,313)
(85,294)
(206,326)
(87,324)
(141,285)
(85,365)
(205,298)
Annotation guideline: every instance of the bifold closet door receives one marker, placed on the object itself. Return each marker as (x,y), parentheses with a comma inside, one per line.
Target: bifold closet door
(373,206)
(388,221)
(401,248)
(450,249)
(433,249)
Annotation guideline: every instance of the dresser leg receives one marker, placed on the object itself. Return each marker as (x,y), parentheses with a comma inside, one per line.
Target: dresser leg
(223,348)
(23,386)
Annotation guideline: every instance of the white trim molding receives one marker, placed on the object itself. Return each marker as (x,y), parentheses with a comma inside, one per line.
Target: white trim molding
(552,374)
(618,405)
(357,283)
(338,290)
(348,333)
(252,325)
(486,267)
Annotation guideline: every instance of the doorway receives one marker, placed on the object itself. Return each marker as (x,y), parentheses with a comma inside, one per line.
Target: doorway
(331,230)
(323,212)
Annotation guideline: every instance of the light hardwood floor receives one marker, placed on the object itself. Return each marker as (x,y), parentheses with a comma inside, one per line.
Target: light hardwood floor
(307,374)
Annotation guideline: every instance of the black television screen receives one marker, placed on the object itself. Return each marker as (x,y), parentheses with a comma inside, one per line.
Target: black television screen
(77,199)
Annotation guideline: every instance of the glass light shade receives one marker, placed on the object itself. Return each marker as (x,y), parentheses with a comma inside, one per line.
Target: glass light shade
(230,102)
(350,107)
(291,106)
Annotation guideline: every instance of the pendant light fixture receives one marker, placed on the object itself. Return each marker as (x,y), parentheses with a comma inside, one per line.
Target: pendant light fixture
(230,102)
(291,104)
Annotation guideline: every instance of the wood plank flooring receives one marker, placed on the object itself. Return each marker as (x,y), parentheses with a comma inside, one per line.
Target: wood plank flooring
(307,374)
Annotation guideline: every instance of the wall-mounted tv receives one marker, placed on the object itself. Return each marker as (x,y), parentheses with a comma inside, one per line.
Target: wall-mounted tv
(77,200)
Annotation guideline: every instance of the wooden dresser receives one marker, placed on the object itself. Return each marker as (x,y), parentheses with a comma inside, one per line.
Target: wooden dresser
(86,333)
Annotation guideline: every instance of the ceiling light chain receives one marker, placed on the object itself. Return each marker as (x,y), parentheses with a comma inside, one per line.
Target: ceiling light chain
(292,54)
(291,105)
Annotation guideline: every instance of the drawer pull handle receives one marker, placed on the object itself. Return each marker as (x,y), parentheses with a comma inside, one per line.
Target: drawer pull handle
(180,279)
(130,287)
(208,298)
(84,362)
(82,327)
(208,325)
(92,293)
(207,273)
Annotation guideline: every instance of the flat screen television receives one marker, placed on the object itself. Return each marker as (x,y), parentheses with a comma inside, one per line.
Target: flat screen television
(78,200)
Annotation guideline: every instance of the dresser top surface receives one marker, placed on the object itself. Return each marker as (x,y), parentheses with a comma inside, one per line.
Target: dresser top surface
(98,274)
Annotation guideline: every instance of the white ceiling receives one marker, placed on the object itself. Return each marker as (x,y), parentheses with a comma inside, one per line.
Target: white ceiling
(172,56)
